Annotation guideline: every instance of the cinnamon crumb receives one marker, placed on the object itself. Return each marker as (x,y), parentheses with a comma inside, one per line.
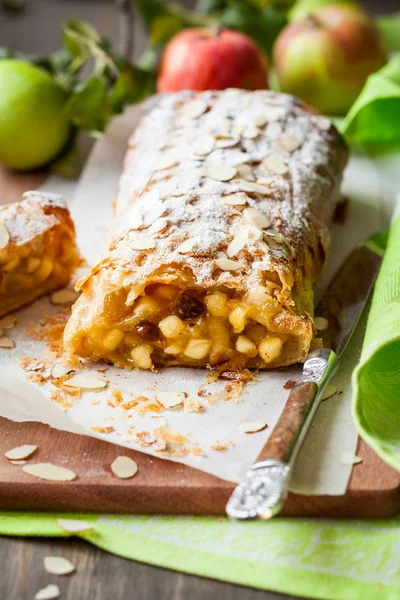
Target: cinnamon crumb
(58,397)
(118,397)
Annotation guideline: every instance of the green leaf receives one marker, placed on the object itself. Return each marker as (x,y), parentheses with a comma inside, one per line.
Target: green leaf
(262,25)
(302,8)
(207,7)
(374,118)
(149,10)
(132,85)
(87,108)
(390,29)
(164,28)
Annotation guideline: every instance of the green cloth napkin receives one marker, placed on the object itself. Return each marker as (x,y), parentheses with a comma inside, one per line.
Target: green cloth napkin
(323,559)
(376,381)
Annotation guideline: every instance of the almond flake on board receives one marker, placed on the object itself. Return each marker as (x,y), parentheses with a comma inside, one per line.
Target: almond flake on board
(252,426)
(221,172)
(330,391)
(6,342)
(8,322)
(85,383)
(142,242)
(4,235)
(74,525)
(238,199)
(50,592)
(49,472)
(256,217)
(194,108)
(227,265)
(321,323)
(64,297)
(18,462)
(193,405)
(171,399)
(204,145)
(20,452)
(188,245)
(274,163)
(348,458)
(124,467)
(58,565)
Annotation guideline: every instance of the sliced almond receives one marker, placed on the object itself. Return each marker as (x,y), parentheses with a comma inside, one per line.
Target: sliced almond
(323,123)
(86,383)
(330,391)
(4,235)
(8,322)
(20,452)
(256,217)
(250,132)
(348,458)
(259,120)
(59,371)
(49,472)
(251,186)
(194,108)
(227,265)
(168,160)
(252,426)
(18,462)
(204,145)
(74,525)
(237,244)
(188,245)
(254,233)
(64,297)
(58,565)
(124,467)
(238,199)
(225,127)
(226,142)
(275,164)
(274,129)
(288,142)
(321,323)
(50,592)
(142,242)
(6,342)
(170,399)
(246,172)
(221,172)
(264,247)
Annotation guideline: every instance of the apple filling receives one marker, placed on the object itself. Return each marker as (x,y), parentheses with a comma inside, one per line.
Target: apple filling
(170,326)
(45,268)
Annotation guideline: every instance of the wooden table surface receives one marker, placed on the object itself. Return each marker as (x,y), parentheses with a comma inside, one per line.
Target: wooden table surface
(99,576)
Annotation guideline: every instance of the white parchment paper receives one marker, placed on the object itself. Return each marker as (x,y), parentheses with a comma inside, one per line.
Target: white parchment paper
(319,469)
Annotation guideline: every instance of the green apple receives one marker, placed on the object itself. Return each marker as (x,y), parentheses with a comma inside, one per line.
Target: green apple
(33,127)
(326,58)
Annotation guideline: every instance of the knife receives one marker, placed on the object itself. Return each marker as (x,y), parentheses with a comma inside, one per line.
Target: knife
(262,493)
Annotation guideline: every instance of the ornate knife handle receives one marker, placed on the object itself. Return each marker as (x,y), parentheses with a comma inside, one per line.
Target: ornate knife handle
(262,494)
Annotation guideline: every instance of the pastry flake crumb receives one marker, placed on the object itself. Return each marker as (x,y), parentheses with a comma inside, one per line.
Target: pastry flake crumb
(219,446)
(290,383)
(171,399)
(100,429)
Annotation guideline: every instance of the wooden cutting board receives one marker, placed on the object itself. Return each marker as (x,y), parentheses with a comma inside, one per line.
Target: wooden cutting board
(160,486)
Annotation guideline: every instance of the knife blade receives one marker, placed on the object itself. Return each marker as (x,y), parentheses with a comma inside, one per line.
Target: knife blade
(261,495)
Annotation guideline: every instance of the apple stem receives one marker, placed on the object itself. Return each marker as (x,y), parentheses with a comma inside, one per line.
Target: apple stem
(315,21)
(216,29)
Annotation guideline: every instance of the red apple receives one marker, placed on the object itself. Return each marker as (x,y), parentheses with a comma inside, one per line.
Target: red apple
(326,58)
(212,59)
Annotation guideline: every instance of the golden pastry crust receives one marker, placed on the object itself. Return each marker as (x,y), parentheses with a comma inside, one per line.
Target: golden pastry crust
(38,253)
(226,193)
